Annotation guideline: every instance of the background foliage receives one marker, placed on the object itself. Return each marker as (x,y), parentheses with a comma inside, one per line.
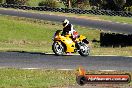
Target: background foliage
(49,3)
(18,2)
(116,5)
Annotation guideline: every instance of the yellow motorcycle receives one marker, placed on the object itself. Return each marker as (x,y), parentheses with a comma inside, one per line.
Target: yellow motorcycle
(65,44)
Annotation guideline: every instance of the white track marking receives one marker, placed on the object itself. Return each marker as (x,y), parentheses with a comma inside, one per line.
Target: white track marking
(65,69)
(92,55)
(30,68)
(108,70)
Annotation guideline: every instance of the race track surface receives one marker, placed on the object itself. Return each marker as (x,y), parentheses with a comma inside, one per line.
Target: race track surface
(106,26)
(47,61)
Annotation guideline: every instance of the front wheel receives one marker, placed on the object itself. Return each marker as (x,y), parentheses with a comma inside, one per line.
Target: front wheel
(58,48)
(84,50)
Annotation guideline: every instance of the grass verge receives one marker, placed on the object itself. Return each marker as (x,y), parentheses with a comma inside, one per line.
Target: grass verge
(19,78)
(23,34)
(30,34)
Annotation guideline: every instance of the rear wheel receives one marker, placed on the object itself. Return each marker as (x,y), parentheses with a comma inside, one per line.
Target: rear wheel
(58,48)
(84,49)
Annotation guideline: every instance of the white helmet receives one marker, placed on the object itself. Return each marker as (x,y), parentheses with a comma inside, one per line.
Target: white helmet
(65,22)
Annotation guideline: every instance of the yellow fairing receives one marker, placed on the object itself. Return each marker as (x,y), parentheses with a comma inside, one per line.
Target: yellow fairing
(69,43)
(81,38)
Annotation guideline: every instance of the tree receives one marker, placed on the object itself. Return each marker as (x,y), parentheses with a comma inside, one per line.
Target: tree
(83,4)
(67,3)
(109,4)
(120,3)
(128,3)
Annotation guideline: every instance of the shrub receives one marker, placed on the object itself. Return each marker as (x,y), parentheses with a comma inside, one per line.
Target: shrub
(49,3)
(128,8)
(2,1)
(18,2)
(84,5)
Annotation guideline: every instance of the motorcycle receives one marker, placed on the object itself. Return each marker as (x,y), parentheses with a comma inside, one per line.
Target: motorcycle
(65,44)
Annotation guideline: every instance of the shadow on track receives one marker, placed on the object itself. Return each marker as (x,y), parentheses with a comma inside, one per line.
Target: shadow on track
(38,53)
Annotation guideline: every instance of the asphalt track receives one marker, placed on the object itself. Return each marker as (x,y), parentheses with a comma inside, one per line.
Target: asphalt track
(46,61)
(106,26)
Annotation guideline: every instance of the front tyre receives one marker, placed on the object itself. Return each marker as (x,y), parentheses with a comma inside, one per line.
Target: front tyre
(84,50)
(58,48)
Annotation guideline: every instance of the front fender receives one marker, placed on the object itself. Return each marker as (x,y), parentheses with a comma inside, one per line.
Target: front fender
(85,41)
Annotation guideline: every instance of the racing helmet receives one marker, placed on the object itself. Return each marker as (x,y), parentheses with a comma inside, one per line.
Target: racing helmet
(65,22)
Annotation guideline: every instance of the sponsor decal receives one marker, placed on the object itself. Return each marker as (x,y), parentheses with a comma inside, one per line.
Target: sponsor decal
(83,78)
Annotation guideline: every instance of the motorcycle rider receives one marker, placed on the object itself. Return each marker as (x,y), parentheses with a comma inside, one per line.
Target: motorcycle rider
(68,29)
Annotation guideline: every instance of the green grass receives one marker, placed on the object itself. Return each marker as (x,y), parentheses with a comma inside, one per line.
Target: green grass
(124,51)
(22,34)
(18,33)
(18,78)
(28,34)
(117,19)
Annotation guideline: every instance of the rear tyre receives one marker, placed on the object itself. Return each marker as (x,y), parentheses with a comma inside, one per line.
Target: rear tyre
(84,50)
(58,49)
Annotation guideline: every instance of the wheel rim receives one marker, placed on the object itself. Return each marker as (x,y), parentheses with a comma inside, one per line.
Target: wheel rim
(85,49)
(58,48)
